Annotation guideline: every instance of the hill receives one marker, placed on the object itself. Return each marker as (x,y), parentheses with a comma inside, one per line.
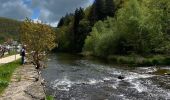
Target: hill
(8,29)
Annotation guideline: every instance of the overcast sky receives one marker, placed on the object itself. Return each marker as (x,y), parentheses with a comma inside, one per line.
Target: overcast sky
(48,11)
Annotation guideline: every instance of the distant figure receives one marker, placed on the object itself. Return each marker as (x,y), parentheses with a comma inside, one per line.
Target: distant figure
(23,55)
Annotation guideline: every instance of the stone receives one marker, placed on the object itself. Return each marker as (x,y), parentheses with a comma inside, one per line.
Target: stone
(121,77)
(36,91)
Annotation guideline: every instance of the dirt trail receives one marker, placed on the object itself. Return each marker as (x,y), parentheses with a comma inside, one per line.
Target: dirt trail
(9,59)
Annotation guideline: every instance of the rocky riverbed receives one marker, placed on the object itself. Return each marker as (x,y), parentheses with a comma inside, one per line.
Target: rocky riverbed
(24,85)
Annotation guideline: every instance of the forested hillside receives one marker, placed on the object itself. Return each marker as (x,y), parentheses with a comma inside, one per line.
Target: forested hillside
(8,29)
(73,28)
(119,27)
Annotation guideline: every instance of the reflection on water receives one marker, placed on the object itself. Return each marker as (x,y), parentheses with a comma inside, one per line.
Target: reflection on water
(72,77)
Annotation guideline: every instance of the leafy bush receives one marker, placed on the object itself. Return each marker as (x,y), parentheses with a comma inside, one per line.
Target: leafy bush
(4,73)
(138,28)
(3,83)
(49,97)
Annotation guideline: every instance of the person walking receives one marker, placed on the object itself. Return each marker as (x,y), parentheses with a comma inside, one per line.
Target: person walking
(23,55)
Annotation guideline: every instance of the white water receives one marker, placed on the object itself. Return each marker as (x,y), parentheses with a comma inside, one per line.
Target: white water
(79,79)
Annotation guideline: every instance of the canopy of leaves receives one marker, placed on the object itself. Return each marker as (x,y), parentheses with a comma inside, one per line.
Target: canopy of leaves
(38,38)
(140,27)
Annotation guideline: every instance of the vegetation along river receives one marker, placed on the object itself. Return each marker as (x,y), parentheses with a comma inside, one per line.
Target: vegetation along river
(72,77)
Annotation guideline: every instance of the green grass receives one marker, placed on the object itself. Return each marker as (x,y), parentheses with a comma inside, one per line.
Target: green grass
(168,72)
(49,97)
(6,72)
(161,72)
(136,60)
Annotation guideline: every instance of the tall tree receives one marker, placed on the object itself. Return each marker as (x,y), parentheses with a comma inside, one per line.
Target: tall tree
(92,15)
(79,15)
(99,9)
(61,22)
(110,8)
(97,12)
(38,38)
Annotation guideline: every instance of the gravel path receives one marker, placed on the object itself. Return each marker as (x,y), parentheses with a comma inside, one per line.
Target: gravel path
(9,59)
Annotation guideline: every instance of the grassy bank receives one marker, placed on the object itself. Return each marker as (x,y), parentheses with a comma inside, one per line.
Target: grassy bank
(49,97)
(135,60)
(6,72)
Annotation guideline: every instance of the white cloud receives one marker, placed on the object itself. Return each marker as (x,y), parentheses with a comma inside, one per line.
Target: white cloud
(54,24)
(37,20)
(15,9)
(53,10)
(50,10)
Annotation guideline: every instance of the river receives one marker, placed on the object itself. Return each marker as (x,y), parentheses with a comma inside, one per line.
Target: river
(72,77)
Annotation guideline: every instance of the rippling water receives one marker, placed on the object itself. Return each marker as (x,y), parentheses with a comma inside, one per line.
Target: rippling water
(71,77)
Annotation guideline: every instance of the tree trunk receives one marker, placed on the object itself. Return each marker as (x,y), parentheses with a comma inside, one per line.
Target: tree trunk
(38,65)
(36,60)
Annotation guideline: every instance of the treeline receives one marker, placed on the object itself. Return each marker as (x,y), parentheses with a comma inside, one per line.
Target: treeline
(119,27)
(73,28)
(8,29)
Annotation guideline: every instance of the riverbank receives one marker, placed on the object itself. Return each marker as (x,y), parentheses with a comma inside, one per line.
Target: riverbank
(135,60)
(24,85)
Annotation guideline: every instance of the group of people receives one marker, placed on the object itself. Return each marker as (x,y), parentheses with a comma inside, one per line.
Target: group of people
(22,53)
(3,50)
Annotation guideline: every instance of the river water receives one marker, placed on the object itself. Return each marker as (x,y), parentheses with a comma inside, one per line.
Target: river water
(72,77)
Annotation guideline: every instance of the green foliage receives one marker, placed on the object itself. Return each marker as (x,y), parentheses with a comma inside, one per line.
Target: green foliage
(138,28)
(39,39)
(110,8)
(101,9)
(64,21)
(74,28)
(64,38)
(78,33)
(158,24)
(3,83)
(137,60)
(102,41)
(71,35)
(119,27)
(49,98)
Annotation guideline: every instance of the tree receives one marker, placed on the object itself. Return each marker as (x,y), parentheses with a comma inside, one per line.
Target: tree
(97,11)
(77,42)
(110,8)
(79,14)
(38,38)
(61,22)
